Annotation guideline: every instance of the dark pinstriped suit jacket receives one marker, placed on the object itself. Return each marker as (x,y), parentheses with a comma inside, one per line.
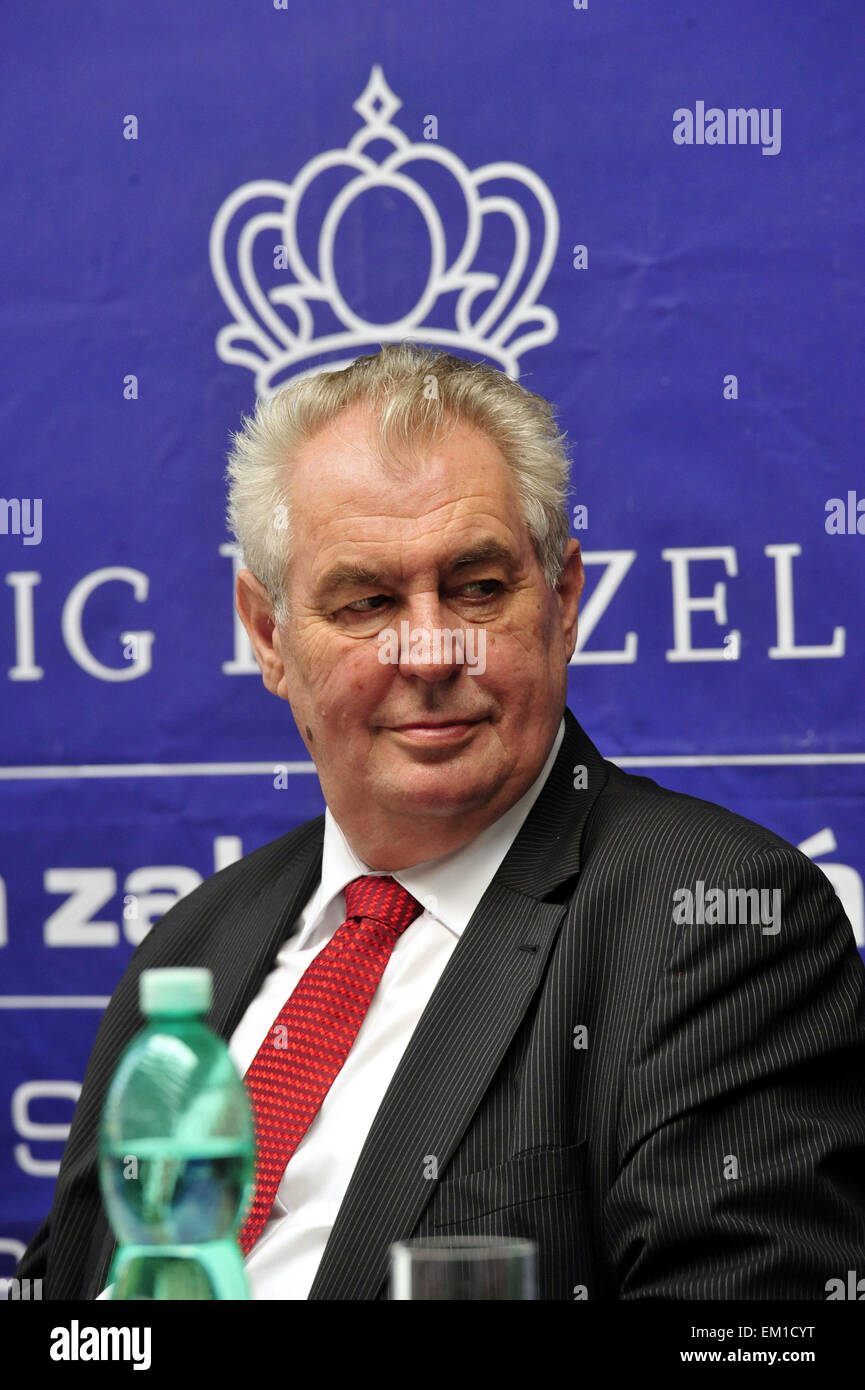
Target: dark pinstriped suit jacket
(704,1045)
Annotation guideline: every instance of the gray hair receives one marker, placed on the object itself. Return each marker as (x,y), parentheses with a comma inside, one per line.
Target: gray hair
(413,394)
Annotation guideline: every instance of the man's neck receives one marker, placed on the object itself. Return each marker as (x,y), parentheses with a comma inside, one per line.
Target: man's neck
(402,843)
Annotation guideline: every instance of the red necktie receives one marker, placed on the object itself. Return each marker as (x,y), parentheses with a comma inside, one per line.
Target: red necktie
(312,1035)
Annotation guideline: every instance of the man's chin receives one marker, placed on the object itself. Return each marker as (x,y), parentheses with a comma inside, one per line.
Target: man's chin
(439,792)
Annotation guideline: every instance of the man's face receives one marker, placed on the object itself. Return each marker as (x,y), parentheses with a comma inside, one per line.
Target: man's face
(426,747)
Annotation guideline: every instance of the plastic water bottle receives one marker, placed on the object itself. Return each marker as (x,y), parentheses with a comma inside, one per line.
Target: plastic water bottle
(177,1150)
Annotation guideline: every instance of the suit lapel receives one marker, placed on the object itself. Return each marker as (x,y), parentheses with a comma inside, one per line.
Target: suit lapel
(464,1032)
(241,953)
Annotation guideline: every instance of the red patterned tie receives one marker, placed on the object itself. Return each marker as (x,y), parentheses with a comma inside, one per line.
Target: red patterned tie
(312,1035)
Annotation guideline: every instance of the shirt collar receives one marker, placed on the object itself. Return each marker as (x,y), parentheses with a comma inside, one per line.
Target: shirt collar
(449,887)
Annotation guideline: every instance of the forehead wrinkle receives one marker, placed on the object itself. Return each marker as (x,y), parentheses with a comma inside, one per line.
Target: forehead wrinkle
(440,528)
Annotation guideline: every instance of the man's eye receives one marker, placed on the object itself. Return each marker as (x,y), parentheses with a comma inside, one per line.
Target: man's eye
(358,606)
(473,589)
(487,586)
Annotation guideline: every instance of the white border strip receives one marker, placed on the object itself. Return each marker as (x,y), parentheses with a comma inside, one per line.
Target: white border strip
(16,774)
(71,772)
(54,1001)
(741,760)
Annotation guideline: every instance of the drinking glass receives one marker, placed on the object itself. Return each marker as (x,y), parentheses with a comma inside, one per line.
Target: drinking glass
(463,1267)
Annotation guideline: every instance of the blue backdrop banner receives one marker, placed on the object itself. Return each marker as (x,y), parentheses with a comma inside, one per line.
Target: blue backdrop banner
(649,213)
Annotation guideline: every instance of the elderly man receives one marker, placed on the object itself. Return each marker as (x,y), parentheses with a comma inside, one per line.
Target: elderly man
(498,1014)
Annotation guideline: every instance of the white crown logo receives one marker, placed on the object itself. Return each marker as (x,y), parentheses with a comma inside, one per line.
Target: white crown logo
(304,322)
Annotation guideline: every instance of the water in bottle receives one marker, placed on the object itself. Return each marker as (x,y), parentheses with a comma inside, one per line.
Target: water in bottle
(177,1150)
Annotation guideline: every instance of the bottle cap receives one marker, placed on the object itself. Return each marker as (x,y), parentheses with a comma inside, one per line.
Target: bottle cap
(178,990)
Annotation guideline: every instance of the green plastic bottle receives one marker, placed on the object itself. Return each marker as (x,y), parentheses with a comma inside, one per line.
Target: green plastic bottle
(177,1150)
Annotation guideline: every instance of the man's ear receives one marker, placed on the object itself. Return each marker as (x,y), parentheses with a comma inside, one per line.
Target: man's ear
(255,609)
(569,589)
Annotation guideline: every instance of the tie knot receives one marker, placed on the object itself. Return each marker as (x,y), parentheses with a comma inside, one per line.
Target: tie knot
(383,900)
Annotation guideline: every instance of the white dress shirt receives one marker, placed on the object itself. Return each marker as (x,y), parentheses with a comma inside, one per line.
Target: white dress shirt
(283,1262)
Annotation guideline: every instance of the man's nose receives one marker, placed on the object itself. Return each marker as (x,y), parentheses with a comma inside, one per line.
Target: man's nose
(432,645)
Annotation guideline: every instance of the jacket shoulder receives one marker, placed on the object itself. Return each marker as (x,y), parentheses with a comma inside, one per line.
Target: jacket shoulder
(674,825)
(240,883)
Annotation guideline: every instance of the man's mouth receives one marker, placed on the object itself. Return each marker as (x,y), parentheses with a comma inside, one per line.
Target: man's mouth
(434,723)
(435,730)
